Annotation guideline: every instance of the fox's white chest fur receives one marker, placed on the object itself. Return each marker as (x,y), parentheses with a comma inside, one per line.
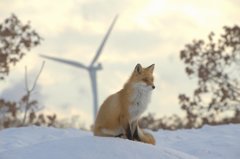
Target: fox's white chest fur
(139,100)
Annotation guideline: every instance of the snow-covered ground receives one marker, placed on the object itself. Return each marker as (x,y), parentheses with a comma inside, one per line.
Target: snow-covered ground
(218,142)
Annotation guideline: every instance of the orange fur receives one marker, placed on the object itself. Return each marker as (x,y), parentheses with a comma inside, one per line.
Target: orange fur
(120,109)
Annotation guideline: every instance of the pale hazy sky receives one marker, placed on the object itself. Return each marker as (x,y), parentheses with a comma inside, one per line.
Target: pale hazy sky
(146,32)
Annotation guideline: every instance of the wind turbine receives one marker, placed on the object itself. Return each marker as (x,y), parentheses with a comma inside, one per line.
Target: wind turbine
(92,68)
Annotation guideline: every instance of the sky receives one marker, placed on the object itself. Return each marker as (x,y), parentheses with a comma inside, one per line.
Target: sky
(146,32)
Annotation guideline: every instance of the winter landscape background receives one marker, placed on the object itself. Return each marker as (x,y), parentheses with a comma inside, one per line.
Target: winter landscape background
(146,32)
(46,108)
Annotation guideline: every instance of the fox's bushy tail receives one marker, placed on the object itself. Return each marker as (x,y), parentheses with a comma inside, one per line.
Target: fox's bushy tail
(145,137)
(140,135)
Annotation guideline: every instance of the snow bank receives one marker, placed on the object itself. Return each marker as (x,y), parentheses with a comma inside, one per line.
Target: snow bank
(50,143)
(209,142)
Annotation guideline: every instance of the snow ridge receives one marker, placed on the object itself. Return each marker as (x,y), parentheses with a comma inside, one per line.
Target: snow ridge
(51,143)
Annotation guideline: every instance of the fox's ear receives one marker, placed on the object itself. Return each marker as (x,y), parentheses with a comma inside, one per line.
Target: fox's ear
(151,68)
(138,69)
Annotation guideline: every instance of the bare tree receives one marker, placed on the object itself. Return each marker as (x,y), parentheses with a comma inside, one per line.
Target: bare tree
(215,65)
(24,112)
(26,101)
(15,39)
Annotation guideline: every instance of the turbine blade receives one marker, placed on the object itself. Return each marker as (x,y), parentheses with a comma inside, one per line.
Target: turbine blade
(104,41)
(69,62)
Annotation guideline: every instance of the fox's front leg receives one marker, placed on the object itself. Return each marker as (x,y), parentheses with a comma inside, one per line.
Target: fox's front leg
(132,131)
(129,132)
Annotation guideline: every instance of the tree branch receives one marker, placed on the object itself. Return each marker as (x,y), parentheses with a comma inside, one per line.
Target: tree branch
(29,92)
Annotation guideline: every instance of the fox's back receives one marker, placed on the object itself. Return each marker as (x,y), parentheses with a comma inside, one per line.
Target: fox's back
(110,111)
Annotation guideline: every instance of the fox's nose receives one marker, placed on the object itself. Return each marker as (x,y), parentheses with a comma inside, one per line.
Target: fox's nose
(153,87)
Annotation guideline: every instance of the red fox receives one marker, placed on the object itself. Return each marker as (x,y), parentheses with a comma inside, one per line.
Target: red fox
(118,115)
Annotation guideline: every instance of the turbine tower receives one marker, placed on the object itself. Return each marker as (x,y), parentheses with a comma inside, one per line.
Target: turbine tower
(92,68)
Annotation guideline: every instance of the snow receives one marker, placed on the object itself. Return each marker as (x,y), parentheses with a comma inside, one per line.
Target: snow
(209,142)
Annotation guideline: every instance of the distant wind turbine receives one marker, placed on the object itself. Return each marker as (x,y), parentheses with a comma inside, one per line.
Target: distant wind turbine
(92,68)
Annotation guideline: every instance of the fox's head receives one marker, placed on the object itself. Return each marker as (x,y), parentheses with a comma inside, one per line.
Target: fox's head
(143,77)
